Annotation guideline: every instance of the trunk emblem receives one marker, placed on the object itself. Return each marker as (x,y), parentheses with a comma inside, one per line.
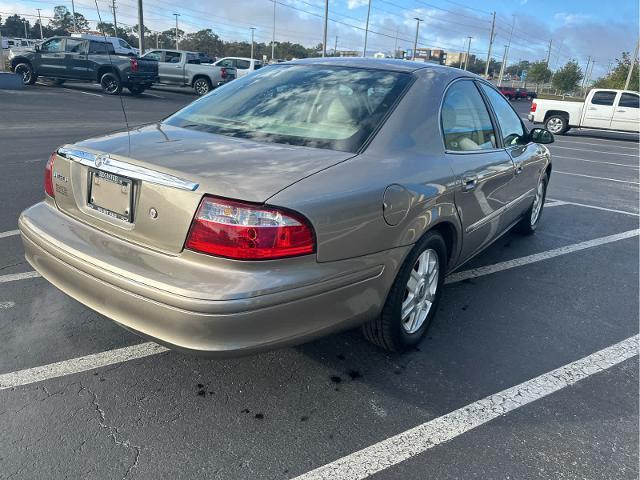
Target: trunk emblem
(102,160)
(153,213)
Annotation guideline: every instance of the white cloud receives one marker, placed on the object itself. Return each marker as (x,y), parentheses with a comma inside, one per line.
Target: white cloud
(351,4)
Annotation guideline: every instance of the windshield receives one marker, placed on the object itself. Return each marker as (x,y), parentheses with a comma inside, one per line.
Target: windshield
(317,106)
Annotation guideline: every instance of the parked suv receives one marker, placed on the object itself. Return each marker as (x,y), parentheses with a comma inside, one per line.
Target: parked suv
(67,58)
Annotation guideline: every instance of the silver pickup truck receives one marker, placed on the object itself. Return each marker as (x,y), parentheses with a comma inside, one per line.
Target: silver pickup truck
(183,68)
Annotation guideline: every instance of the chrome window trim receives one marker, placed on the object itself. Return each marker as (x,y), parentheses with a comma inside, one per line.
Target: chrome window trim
(117,167)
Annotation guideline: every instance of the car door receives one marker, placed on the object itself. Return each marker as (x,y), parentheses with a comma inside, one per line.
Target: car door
(626,115)
(50,60)
(599,112)
(483,169)
(77,65)
(171,68)
(527,157)
(243,67)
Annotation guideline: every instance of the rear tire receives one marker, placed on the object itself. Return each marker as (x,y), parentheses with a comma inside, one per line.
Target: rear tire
(413,299)
(531,220)
(111,84)
(557,124)
(28,76)
(202,86)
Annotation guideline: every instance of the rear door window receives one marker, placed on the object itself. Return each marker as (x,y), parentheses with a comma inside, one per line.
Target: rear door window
(629,100)
(100,48)
(466,123)
(74,46)
(603,98)
(243,64)
(172,57)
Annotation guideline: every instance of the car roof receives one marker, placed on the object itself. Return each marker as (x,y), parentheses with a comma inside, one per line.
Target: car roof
(389,64)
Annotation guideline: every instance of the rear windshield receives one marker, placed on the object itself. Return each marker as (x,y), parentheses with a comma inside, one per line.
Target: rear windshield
(317,106)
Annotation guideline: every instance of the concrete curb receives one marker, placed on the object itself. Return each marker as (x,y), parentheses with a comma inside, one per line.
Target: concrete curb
(10,81)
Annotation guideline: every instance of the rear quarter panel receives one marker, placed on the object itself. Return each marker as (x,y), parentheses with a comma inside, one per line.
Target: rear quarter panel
(573,109)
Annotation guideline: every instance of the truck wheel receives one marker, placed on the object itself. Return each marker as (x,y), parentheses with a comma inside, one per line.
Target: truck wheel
(556,124)
(202,86)
(24,69)
(110,84)
(413,299)
(136,89)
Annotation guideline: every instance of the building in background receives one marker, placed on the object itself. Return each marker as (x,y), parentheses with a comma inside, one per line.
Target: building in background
(349,53)
(456,59)
(431,55)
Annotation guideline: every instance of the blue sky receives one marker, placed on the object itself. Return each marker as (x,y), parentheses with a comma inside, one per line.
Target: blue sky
(578,29)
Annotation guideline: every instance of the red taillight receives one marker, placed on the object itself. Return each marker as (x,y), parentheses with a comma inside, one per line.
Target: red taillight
(534,105)
(134,64)
(243,231)
(48,176)
(223,72)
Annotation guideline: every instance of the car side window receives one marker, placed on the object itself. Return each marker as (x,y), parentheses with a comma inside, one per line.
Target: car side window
(74,46)
(155,55)
(228,63)
(466,123)
(52,46)
(100,48)
(172,57)
(603,98)
(513,133)
(629,100)
(243,64)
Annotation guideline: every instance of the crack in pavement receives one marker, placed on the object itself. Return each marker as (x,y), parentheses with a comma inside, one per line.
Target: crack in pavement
(113,431)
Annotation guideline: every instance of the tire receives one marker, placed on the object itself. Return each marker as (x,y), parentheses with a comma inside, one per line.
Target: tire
(531,220)
(201,86)
(111,84)
(28,76)
(557,124)
(420,276)
(136,89)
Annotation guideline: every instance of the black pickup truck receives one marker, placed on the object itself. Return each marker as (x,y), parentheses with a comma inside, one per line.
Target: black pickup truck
(67,58)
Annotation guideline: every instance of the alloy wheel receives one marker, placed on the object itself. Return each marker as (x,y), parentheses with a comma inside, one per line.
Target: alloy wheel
(420,292)
(555,125)
(537,203)
(201,87)
(25,72)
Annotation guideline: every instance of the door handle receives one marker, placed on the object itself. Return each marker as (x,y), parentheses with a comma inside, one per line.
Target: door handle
(621,111)
(592,108)
(518,169)
(178,66)
(469,182)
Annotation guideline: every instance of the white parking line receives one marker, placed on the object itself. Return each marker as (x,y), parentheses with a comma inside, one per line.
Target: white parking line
(152,95)
(595,207)
(410,443)
(10,233)
(595,151)
(624,142)
(18,276)
(597,178)
(636,148)
(7,305)
(80,364)
(538,257)
(85,93)
(635,167)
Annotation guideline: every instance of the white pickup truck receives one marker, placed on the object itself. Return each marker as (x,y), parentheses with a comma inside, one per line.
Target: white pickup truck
(603,109)
(182,68)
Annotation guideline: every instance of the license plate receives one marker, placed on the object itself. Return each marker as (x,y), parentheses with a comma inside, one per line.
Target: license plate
(111,195)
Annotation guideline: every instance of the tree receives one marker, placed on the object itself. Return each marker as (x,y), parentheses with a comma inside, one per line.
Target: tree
(62,21)
(14,26)
(568,77)
(618,76)
(518,68)
(539,72)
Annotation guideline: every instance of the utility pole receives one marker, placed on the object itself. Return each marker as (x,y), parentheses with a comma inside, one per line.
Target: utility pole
(633,63)
(40,23)
(584,79)
(273,37)
(415,43)
(493,27)
(395,45)
(73,14)
(335,47)
(115,20)
(549,52)
(253,31)
(326,21)
(157,40)
(140,28)
(466,57)
(366,31)
(177,15)
(504,60)
(25,29)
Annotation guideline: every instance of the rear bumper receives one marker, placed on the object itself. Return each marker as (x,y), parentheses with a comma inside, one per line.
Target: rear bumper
(142,79)
(316,299)
(530,117)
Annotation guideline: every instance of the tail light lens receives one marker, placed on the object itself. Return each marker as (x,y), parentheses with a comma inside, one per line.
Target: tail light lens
(534,105)
(223,72)
(243,231)
(48,176)
(134,64)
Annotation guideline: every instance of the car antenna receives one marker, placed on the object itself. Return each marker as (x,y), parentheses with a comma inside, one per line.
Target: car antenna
(124,112)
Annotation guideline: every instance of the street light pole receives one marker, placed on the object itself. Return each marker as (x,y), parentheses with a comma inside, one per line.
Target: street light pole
(633,63)
(326,21)
(115,20)
(73,14)
(584,78)
(415,42)
(504,60)
(140,28)
(40,23)
(493,27)
(466,57)
(253,29)
(177,15)
(366,31)
(25,29)
(549,52)
(273,37)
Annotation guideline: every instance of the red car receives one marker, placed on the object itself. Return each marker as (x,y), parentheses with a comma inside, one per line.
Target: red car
(509,92)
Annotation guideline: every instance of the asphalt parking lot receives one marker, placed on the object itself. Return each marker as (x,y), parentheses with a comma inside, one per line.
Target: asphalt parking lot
(106,404)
